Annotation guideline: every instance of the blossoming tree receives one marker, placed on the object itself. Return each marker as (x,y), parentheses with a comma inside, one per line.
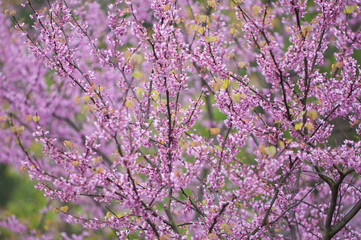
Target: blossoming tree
(185,119)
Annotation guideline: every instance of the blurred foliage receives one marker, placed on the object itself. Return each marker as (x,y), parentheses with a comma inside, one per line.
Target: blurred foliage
(23,13)
(19,197)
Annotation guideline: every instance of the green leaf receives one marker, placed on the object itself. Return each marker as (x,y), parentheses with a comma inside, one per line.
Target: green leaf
(270,151)
(349,9)
(298,126)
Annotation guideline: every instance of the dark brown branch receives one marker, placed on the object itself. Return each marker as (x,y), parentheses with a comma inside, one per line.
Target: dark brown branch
(215,219)
(342,223)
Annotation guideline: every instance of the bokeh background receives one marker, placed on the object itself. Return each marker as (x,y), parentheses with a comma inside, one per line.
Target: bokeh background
(20,201)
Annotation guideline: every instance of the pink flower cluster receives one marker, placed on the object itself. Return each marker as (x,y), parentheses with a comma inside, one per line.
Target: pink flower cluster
(175,119)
